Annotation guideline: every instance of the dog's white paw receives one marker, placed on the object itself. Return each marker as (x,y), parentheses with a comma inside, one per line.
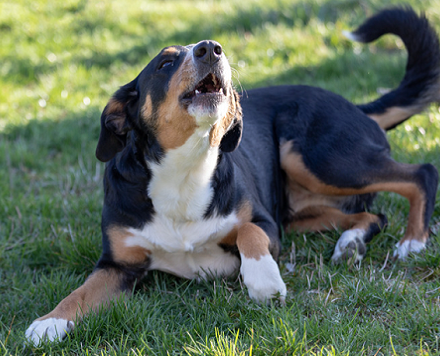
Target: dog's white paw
(409,246)
(50,329)
(351,243)
(262,278)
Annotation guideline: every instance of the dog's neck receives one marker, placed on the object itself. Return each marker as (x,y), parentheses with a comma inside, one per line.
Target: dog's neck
(180,187)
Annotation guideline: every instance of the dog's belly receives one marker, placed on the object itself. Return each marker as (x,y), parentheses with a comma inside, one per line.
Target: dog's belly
(207,261)
(187,249)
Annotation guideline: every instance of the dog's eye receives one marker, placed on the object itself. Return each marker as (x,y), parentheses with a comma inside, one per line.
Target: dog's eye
(165,63)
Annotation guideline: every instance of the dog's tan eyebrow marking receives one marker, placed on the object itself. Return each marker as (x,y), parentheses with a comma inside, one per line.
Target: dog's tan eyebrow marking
(170,51)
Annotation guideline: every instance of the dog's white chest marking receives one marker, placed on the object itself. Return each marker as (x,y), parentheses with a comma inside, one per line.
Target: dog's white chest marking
(180,187)
(181,240)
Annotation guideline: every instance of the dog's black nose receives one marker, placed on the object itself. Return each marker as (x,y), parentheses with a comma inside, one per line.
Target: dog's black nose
(208,52)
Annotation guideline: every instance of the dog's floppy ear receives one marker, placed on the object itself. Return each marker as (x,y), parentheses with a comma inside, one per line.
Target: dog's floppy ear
(115,123)
(232,137)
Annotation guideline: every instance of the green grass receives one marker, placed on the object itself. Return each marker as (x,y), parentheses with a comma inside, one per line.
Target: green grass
(59,63)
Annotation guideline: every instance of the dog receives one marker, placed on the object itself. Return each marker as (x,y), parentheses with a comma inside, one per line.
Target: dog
(199,180)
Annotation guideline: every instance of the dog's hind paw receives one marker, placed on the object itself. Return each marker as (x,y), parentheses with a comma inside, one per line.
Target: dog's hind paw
(263,279)
(403,249)
(350,245)
(51,329)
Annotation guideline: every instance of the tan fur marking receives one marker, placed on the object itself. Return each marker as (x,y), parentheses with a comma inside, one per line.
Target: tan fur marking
(252,241)
(221,126)
(121,252)
(114,106)
(230,239)
(294,166)
(169,51)
(147,108)
(296,170)
(393,116)
(175,125)
(98,290)
(244,214)
(300,198)
(319,218)
(218,131)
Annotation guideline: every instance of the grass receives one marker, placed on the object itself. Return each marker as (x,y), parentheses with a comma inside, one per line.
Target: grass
(61,61)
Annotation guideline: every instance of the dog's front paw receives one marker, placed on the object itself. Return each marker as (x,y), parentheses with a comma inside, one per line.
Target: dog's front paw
(50,329)
(403,249)
(262,278)
(350,244)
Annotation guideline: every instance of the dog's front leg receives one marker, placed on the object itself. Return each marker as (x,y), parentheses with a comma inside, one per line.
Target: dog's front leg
(117,271)
(260,271)
(102,286)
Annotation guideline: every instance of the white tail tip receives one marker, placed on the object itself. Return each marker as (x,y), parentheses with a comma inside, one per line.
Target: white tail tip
(351,36)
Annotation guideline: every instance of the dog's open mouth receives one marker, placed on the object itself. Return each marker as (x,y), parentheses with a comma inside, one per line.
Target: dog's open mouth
(209,87)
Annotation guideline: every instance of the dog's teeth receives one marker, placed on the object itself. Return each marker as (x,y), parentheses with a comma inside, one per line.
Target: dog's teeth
(214,79)
(221,91)
(197,92)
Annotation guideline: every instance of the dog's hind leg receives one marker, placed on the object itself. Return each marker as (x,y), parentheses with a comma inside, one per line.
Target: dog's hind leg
(371,173)
(359,228)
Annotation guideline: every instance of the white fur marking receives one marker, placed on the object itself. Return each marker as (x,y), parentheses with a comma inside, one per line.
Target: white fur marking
(262,278)
(187,248)
(407,247)
(51,329)
(207,262)
(351,36)
(206,116)
(181,184)
(347,237)
(181,240)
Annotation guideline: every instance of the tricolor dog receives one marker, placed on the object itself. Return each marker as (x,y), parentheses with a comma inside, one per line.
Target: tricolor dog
(199,180)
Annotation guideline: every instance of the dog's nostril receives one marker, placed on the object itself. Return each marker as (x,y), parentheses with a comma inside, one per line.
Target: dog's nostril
(218,50)
(200,51)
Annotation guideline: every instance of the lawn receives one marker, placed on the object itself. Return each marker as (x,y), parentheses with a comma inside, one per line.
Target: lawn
(60,61)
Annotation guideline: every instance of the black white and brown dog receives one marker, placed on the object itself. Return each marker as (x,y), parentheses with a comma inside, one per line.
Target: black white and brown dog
(199,180)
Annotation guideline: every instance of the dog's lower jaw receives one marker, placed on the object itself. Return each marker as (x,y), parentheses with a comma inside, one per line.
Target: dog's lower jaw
(50,329)
(262,278)
(208,115)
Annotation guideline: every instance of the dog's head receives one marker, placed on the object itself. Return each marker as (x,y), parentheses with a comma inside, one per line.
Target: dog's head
(183,89)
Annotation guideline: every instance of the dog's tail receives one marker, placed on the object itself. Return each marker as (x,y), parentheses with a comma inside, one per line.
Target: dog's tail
(421,83)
